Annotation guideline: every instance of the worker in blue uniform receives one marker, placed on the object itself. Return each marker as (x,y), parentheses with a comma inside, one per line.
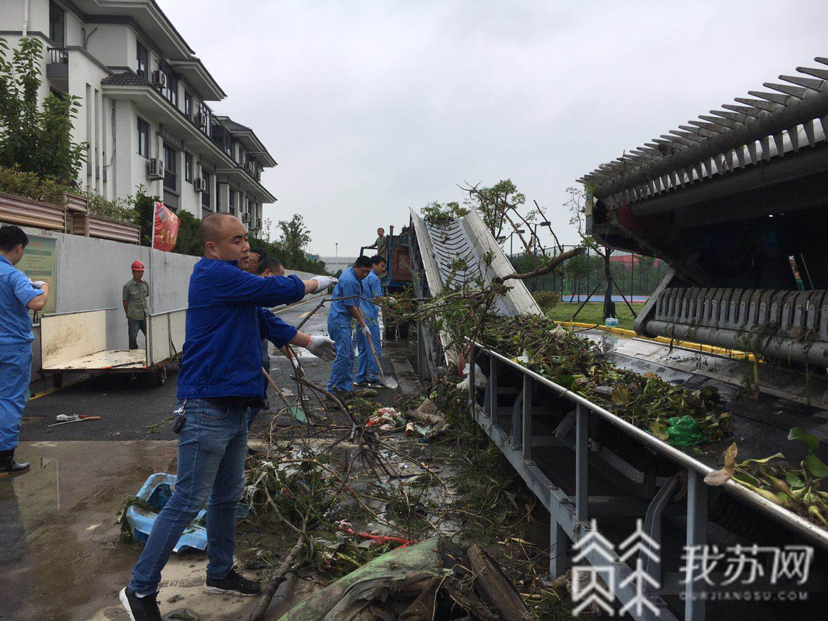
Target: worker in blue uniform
(367,369)
(220,379)
(343,312)
(18,295)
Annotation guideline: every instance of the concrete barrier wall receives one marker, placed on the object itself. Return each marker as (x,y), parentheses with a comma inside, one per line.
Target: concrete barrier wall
(90,274)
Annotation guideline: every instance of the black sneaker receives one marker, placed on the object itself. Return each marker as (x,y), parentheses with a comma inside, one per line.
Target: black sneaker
(233,583)
(140,608)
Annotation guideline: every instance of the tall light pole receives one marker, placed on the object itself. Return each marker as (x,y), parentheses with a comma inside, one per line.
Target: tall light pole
(337,249)
(512,241)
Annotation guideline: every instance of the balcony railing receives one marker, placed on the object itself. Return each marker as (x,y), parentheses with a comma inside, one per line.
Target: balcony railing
(57,69)
(58,55)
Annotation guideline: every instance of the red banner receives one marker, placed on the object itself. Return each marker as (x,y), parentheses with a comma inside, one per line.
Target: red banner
(165,228)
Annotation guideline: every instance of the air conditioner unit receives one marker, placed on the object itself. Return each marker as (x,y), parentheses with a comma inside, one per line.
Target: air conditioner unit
(200,185)
(201,120)
(155,169)
(159,79)
(245,217)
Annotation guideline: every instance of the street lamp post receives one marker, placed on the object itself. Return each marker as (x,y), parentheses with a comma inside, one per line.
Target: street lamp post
(337,249)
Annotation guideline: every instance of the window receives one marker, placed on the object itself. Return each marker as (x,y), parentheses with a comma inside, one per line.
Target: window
(143,61)
(188,105)
(188,167)
(170,177)
(170,91)
(232,202)
(206,122)
(205,195)
(57,25)
(143,137)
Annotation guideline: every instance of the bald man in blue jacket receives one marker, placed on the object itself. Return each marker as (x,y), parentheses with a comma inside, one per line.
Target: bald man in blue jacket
(220,379)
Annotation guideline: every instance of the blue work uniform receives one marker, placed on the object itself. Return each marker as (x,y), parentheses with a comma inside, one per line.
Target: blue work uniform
(220,377)
(367,368)
(339,329)
(16,337)
(222,354)
(276,331)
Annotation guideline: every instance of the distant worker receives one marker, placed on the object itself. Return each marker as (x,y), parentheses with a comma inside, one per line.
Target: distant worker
(256,256)
(136,293)
(367,370)
(343,311)
(220,378)
(269,267)
(18,295)
(381,244)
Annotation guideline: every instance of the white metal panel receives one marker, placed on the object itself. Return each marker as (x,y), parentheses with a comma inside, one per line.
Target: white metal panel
(519,295)
(166,335)
(68,337)
(108,359)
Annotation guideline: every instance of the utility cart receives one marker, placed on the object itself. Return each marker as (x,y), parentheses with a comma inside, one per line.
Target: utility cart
(76,343)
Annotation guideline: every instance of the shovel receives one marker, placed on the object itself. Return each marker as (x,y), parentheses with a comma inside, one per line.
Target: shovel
(388,382)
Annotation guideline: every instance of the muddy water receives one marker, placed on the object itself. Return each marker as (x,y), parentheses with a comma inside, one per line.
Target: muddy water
(57,526)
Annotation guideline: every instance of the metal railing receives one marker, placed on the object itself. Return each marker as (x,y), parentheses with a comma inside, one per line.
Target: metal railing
(58,55)
(571,513)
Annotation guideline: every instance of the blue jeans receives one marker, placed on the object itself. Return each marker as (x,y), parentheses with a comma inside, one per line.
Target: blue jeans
(15,372)
(366,365)
(342,371)
(251,415)
(212,448)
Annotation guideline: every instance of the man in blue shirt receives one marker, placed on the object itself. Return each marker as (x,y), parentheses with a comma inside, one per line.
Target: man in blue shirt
(220,378)
(18,295)
(344,309)
(367,369)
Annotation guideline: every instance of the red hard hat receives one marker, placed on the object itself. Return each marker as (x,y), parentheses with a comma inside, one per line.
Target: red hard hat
(137,266)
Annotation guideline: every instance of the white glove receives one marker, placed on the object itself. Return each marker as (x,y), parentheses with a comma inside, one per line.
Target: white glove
(38,284)
(366,331)
(322,347)
(391,299)
(324,282)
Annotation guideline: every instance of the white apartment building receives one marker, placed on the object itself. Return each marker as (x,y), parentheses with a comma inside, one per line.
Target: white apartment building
(144,109)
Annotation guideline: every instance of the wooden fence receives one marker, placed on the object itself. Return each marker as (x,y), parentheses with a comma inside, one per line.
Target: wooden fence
(71,216)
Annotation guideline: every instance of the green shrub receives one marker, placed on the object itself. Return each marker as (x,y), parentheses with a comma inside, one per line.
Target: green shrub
(30,185)
(546,299)
(122,209)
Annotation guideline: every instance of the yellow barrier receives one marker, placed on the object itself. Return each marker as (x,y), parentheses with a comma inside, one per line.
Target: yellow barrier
(710,349)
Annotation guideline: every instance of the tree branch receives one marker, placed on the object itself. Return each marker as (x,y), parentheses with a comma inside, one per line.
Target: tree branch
(544,269)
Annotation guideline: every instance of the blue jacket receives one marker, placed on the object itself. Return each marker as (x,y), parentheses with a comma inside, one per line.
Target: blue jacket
(373,289)
(222,354)
(347,287)
(15,293)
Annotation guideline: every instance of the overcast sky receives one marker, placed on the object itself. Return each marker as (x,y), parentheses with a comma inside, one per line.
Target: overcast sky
(372,107)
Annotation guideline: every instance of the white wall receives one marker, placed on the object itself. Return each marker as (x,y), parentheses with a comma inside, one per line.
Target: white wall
(90,274)
(112,44)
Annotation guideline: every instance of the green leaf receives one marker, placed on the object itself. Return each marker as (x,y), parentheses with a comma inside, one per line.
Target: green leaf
(764,460)
(794,481)
(744,477)
(816,466)
(797,433)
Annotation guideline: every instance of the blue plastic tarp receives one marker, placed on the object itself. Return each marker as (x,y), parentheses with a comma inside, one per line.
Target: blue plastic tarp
(157,491)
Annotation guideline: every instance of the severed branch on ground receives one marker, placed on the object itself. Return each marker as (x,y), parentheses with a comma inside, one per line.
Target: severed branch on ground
(276,579)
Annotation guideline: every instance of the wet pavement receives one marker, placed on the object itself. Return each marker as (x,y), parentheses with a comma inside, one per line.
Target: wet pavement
(60,549)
